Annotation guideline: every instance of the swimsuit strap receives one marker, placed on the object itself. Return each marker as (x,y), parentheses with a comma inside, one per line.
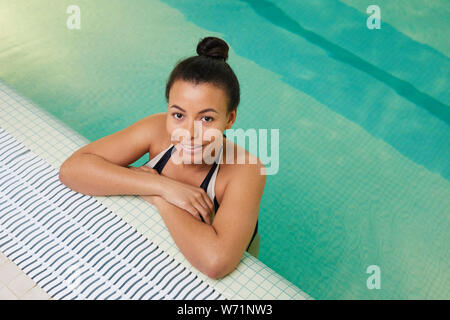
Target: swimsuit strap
(253,236)
(162,162)
(206,182)
(207,179)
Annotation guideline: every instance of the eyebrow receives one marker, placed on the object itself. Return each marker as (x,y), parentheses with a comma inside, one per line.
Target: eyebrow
(203,111)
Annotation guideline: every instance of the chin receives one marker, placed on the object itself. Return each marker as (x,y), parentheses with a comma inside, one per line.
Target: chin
(199,155)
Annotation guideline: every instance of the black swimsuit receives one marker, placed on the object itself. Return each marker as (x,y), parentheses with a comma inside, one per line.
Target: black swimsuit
(162,162)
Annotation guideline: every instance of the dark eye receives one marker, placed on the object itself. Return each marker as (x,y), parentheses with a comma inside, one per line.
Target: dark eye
(176,114)
(208,119)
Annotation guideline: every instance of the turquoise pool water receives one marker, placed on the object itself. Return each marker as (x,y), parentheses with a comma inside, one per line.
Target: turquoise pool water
(364,118)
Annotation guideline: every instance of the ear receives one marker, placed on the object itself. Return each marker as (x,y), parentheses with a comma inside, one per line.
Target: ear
(231,119)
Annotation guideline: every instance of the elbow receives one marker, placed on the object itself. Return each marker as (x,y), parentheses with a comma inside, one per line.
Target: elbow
(63,173)
(66,175)
(218,268)
(215,272)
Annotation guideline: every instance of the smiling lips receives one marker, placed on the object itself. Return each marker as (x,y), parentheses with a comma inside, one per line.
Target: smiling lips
(191,148)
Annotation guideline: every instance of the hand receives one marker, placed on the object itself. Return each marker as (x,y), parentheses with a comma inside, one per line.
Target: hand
(192,199)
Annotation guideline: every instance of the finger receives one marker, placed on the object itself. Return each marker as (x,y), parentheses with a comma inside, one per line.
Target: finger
(205,202)
(204,212)
(194,212)
(208,201)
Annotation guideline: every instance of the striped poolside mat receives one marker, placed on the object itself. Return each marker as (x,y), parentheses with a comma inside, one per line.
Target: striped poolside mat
(73,246)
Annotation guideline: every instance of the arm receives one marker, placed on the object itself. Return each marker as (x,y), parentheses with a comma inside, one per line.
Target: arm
(217,249)
(91,174)
(99,168)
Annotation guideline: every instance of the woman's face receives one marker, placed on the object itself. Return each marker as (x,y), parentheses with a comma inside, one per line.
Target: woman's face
(197,116)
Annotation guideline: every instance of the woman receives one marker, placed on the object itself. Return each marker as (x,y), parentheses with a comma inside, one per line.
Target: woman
(210,213)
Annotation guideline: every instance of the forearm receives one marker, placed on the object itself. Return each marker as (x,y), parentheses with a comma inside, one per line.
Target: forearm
(93,175)
(197,240)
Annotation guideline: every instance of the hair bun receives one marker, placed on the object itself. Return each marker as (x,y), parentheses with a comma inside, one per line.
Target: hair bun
(213,47)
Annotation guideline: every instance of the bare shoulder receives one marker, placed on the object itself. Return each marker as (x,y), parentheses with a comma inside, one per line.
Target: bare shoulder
(239,160)
(157,133)
(241,165)
(156,124)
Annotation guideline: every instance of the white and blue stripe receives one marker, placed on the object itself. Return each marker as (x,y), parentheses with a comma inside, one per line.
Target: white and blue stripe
(73,246)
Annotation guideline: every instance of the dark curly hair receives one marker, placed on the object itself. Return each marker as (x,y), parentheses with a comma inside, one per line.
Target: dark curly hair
(209,66)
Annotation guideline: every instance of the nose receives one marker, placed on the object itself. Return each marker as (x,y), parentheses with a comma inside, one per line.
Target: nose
(194,129)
